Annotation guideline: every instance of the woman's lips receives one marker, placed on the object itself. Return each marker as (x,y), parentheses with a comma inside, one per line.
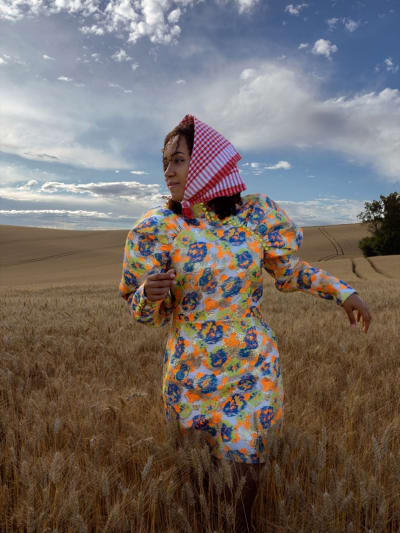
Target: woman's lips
(172,185)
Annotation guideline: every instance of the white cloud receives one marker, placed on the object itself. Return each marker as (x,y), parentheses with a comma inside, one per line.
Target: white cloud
(324,47)
(28,185)
(265,111)
(64,78)
(57,212)
(132,190)
(245,5)
(351,25)
(295,9)
(155,19)
(281,165)
(323,211)
(303,45)
(121,56)
(247,73)
(181,82)
(332,23)
(92,30)
(138,172)
(42,122)
(48,58)
(134,66)
(390,66)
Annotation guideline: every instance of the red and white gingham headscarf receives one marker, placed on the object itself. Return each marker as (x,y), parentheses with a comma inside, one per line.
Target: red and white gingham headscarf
(212,169)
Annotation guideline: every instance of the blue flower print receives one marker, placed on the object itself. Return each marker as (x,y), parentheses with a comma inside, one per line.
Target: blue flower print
(149,225)
(251,338)
(244,259)
(324,295)
(235,236)
(277,367)
(188,383)
(266,416)
(218,358)
(211,332)
(191,301)
(304,280)
(207,281)
(179,347)
(247,382)
(130,278)
(208,383)
(197,251)
(165,356)
(231,286)
(266,368)
(244,352)
(163,258)
(173,393)
(257,294)
(276,239)
(235,404)
(257,215)
(201,422)
(226,432)
(231,454)
(192,221)
(182,372)
(146,244)
(262,229)
(299,238)
(259,445)
(188,266)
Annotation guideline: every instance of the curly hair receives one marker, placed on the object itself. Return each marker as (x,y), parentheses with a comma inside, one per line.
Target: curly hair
(223,206)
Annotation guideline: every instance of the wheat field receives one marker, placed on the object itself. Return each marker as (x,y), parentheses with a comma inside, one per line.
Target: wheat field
(85,446)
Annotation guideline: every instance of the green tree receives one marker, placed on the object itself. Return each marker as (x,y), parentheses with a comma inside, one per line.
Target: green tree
(383,219)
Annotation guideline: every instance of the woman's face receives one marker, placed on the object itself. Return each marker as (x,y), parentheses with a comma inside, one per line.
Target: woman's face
(176,159)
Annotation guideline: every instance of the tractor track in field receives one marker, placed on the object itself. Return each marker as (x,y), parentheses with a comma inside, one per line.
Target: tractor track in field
(336,246)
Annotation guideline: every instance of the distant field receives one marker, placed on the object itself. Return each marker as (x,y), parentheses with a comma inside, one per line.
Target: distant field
(48,257)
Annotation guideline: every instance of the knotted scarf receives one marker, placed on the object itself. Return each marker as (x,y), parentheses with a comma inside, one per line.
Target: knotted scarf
(212,169)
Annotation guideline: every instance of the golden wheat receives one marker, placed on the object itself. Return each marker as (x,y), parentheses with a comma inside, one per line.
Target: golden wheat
(85,445)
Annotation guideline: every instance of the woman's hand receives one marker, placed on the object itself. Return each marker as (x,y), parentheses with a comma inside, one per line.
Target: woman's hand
(157,286)
(355,303)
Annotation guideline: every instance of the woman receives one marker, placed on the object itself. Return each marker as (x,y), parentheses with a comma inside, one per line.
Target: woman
(200,258)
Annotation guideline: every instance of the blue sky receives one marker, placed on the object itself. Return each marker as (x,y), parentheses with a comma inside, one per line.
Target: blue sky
(308,93)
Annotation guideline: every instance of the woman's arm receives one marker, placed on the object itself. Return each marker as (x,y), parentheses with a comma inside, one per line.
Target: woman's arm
(282,240)
(146,253)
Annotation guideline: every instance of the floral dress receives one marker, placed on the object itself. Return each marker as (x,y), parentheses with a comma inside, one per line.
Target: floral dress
(221,371)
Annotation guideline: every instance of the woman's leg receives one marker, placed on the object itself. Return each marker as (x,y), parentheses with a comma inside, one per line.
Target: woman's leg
(248,495)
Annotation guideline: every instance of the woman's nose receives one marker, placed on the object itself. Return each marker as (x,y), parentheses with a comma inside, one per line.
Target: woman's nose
(169,170)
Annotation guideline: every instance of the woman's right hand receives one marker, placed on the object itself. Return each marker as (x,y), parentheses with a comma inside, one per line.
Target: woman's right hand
(156,286)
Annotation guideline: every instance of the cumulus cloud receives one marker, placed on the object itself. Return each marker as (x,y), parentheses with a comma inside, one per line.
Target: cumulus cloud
(295,9)
(48,58)
(281,165)
(132,190)
(155,19)
(64,78)
(351,25)
(390,66)
(332,23)
(121,56)
(324,47)
(303,45)
(281,106)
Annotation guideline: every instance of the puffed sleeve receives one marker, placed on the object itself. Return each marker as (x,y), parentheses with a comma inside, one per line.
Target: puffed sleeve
(147,251)
(282,240)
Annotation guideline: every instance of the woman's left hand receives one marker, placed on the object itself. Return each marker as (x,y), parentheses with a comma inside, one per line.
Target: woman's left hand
(355,303)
